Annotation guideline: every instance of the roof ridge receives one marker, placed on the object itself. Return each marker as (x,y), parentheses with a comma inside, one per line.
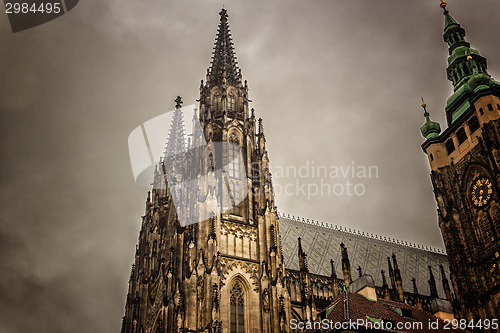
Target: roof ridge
(358,233)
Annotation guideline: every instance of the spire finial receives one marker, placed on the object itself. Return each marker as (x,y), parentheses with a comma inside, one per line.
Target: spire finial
(443,5)
(176,143)
(430,129)
(224,64)
(424,106)
(178,102)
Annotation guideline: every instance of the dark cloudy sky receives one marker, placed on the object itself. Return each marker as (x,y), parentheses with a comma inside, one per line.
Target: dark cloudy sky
(335,81)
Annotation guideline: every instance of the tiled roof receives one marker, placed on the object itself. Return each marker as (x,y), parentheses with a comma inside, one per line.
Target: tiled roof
(322,243)
(353,307)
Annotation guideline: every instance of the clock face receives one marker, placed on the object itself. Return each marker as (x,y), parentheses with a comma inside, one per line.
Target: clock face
(481,192)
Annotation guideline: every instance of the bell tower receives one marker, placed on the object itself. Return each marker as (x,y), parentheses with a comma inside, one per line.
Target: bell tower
(248,239)
(223,273)
(465,173)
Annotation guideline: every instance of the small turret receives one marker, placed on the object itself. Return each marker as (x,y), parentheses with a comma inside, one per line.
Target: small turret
(430,129)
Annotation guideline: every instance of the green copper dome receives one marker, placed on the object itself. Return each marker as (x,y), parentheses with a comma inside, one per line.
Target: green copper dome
(430,129)
(467,70)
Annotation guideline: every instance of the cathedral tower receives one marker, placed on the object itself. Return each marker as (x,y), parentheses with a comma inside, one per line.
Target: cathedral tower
(224,273)
(465,173)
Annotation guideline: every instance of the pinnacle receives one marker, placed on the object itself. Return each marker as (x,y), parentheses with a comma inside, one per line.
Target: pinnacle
(224,65)
(176,138)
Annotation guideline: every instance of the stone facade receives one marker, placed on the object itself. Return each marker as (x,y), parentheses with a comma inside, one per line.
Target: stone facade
(224,273)
(464,160)
(245,269)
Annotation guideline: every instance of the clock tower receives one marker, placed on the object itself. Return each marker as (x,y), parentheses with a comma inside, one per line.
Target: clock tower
(465,173)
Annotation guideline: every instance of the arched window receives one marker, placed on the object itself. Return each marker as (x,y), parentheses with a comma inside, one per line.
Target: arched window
(236,195)
(217,102)
(231,103)
(235,191)
(233,155)
(237,309)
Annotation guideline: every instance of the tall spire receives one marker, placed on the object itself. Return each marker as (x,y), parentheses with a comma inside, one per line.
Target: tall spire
(224,64)
(463,59)
(176,142)
(467,69)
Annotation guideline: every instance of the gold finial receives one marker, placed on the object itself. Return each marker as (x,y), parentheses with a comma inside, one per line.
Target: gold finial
(443,4)
(423,103)
(469,57)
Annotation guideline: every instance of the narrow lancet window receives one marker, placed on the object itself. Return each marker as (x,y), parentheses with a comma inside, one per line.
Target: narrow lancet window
(233,158)
(217,103)
(237,309)
(231,103)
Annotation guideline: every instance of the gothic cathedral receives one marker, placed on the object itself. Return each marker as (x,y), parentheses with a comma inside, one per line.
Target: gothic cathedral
(225,273)
(465,164)
(218,263)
